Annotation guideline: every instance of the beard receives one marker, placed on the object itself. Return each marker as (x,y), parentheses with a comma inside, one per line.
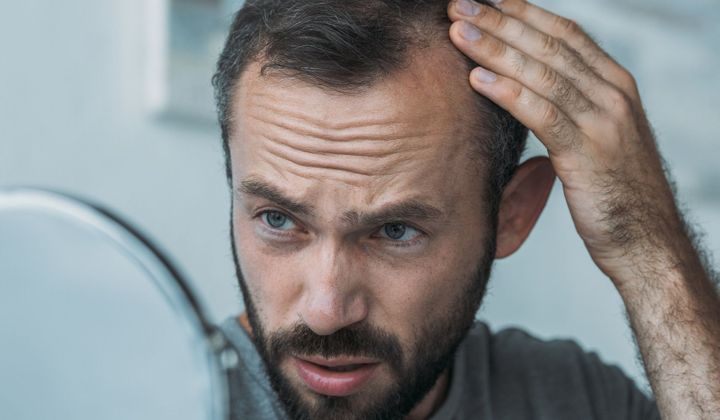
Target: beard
(414,372)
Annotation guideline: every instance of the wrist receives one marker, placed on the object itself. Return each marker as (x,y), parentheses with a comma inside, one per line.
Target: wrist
(653,266)
(658,276)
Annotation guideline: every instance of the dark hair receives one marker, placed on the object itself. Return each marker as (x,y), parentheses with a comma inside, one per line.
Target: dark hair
(347,45)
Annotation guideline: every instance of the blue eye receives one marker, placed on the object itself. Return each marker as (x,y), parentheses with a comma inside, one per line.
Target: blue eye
(399,232)
(277,220)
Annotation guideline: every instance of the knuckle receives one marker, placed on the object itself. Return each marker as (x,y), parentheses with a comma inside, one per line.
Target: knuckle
(583,105)
(562,93)
(558,128)
(579,66)
(547,77)
(627,79)
(519,63)
(499,21)
(592,46)
(550,45)
(620,104)
(521,7)
(573,56)
(522,29)
(513,94)
(484,12)
(551,116)
(567,52)
(496,48)
(568,26)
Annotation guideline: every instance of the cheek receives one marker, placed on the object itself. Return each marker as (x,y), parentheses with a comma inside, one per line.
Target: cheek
(410,296)
(270,280)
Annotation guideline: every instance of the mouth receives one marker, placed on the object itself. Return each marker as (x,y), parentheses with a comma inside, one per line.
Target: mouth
(338,377)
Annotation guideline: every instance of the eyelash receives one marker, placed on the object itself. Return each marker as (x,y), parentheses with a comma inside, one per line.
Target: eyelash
(412,242)
(274,231)
(284,234)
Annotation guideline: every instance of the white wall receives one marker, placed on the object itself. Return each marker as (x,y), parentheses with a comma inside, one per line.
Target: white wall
(73,116)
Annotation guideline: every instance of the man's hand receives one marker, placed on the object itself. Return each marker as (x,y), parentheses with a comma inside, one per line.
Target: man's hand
(586,109)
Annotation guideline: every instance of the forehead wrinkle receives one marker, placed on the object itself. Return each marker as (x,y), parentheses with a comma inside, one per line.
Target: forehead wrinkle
(362,134)
(288,138)
(356,157)
(371,154)
(285,169)
(348,179)
(293,102)
(313,160)
(280,145)
(364,129)
(281,105)
(367,168)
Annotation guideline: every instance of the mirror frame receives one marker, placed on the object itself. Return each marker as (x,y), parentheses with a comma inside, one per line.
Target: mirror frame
(152,259)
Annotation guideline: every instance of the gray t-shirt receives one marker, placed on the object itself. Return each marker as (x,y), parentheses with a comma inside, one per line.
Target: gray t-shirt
(504,375)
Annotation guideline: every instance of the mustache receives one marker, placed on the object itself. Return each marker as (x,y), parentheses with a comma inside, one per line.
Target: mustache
(360,340)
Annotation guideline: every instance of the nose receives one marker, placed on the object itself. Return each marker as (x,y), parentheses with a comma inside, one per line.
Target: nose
(333,293)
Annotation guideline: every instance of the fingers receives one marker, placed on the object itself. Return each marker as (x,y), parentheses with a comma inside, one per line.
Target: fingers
(505,60)
(571,33)
(549,123)
(545,48)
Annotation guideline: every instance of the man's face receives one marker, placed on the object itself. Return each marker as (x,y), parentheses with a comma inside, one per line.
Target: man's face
(361,234)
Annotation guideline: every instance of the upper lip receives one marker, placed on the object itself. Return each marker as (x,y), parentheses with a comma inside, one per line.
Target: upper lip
(338,361)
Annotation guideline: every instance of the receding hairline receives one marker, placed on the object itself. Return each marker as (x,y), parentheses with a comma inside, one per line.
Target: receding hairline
(447,60)
(366,38)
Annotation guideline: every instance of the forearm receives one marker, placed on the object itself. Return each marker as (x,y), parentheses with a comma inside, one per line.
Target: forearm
(674,310)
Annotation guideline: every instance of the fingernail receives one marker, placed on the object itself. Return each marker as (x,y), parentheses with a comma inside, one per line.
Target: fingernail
(468,7)
(484,76)
(469,31)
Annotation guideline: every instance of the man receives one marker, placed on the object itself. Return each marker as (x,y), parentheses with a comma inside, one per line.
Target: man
(375,178)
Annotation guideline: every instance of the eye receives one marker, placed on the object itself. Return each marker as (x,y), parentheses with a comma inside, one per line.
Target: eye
(399,232)
(277,220)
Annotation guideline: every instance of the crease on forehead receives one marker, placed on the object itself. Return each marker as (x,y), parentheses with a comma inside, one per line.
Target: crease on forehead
(378,133)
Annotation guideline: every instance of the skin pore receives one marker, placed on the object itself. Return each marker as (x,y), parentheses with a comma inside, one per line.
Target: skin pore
(367,209)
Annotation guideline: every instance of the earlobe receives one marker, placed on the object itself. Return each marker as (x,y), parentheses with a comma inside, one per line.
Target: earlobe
(522,202)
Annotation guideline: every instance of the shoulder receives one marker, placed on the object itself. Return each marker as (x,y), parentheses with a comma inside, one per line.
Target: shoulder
(556,377)
(514,348)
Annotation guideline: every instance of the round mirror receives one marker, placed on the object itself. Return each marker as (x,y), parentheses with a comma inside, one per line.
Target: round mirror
(95,323)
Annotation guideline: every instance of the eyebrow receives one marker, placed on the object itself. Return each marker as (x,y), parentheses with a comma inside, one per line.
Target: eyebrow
(262,189)
(411,209)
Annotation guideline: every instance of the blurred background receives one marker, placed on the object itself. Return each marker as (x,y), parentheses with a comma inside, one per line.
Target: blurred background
(111,100)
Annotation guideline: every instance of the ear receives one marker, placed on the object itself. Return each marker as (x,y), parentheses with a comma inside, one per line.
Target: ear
(522,202)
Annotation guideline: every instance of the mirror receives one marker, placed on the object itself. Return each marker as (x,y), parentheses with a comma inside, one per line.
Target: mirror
(94,321)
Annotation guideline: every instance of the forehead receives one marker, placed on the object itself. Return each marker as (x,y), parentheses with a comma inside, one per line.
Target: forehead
(410,133)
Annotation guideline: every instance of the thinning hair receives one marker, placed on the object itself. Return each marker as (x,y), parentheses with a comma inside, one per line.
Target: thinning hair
(348,46)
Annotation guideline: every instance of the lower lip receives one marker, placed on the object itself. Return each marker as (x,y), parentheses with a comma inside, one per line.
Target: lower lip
(331,383)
